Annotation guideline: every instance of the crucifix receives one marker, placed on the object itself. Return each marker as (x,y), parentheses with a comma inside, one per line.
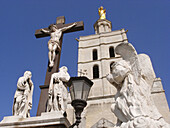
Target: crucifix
(82,73)
(56,32)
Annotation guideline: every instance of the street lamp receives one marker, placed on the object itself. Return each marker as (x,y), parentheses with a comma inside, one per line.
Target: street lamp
(79,91)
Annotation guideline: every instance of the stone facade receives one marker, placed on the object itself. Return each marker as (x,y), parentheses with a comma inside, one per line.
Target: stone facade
(158,95)
(102,92)
(100,42)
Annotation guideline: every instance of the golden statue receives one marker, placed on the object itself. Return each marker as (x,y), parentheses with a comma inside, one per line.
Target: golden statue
(102,13)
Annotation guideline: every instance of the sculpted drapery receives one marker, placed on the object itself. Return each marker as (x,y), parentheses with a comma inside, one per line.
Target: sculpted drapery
(133,105)
(23,96)
(58,93)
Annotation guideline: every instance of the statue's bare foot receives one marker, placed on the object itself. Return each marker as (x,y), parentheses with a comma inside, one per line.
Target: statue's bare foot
(51,65)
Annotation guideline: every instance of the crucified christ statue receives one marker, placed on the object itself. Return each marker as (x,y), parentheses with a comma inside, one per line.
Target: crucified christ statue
(53,43)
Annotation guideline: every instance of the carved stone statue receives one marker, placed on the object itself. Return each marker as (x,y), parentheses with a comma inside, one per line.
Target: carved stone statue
(133,105)
(53,43)
(102,13)
(58,93)
(23,96)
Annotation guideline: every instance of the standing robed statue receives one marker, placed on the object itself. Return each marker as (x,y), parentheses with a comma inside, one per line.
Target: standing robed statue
(23,96)
(58,94)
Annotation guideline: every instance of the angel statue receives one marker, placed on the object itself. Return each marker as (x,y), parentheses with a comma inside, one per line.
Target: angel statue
(58,93)
(53,43)
(133,104)
(23,96)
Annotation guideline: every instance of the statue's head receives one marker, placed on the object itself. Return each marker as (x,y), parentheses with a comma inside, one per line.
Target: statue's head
(27,74)
(52,27)
(119,71)
(101,8)
(63,68)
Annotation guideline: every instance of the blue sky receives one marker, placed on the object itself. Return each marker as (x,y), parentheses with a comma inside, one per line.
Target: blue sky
(148,23)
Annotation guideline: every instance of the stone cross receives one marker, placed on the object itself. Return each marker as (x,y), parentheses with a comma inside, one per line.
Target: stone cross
(60,23)
(81,73)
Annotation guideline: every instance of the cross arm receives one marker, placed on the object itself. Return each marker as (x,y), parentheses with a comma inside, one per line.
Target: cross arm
(79,26)
(39,33)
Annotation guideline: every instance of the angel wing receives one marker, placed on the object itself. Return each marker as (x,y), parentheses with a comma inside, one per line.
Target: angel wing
(129,54)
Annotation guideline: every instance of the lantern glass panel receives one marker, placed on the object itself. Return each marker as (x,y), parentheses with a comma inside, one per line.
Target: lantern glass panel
(72,92)
(78,88)
(86,89)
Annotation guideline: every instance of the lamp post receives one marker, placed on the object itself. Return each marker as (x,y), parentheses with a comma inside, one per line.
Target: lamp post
(79,91)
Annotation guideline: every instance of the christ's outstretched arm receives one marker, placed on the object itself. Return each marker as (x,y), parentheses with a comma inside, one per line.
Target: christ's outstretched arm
(68,27)
(45,31)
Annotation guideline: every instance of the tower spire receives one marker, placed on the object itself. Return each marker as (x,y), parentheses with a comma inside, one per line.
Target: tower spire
(102,25)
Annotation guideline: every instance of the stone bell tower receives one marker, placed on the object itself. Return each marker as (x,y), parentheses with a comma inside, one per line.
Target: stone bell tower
(96,54)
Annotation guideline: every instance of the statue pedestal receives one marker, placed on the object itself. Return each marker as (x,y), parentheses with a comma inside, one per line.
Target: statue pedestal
(46,120)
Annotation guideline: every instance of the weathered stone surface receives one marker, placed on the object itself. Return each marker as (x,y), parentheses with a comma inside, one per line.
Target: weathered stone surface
(102,25)
(102,43)
(58,94)
(96,109)
(23,96)
(46,120)
(133,105)
(158,95)
(147,71)
(103,123)
(157,85)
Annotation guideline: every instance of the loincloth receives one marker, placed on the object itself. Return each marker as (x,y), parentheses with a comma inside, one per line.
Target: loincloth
(52,42)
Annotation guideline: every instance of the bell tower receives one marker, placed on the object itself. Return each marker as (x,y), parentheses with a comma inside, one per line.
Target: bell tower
(96,54)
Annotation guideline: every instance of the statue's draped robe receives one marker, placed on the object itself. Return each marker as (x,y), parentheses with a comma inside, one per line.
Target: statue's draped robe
(133,105)
(23,98)
(59,94)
